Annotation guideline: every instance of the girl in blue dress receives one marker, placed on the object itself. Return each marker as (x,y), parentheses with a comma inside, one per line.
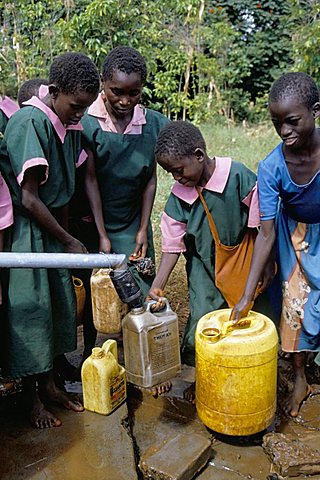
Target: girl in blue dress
(289,196)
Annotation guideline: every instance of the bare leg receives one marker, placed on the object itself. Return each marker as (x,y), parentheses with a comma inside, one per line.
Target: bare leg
(49,391)
(301,387)
(38,415)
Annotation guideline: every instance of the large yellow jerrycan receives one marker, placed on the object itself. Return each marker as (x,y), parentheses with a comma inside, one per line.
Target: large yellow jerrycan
(107,308)
(103,379)
(236,372)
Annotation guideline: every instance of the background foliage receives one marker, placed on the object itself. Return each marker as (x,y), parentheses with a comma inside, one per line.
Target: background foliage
(205,57)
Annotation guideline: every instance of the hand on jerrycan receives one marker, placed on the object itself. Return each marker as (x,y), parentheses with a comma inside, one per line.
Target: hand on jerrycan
(240,310)
(157,295)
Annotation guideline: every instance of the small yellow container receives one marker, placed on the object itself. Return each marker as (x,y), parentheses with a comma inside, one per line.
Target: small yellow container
(236,372)
(107,308)
(103,379)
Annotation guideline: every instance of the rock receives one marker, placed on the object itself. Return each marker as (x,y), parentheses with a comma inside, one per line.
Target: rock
(179,459)
(291,457)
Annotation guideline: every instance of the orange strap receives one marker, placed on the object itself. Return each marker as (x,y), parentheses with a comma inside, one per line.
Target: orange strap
(212,225)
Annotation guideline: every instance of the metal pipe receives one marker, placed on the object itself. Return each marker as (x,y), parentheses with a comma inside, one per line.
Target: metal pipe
(60,260)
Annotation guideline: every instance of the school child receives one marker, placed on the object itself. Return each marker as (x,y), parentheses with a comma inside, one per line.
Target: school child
(31,88)
(122,136)
(290,175)
(7,108)
(40,150)
(228,188)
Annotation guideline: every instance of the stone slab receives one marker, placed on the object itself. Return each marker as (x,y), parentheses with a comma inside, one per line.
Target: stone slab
(179,459)
(289,456)
(86,446)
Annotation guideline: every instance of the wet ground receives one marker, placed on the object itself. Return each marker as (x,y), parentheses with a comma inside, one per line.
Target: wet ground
(91,446)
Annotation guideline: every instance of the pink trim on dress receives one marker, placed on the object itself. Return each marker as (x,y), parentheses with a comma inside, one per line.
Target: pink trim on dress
(33,162)
(216,183)
(60,129)
(82,158)
(173,233)
(43,91)
(8,106)
(98,109)
(6,211)
(252,201)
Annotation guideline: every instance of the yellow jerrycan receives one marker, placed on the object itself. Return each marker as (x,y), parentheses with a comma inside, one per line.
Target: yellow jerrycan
(103,379)
(236,372)
(107,308)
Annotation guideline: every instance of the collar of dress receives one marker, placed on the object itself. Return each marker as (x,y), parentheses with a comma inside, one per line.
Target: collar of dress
(8,106)
(216,183)
(59,127)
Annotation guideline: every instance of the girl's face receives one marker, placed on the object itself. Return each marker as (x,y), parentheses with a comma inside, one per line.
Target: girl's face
(293,121)
(187,170)
(70,107)
(122,92)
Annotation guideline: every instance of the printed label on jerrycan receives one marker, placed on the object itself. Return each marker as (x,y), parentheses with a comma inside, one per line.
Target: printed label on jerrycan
(164,347)
(117,391)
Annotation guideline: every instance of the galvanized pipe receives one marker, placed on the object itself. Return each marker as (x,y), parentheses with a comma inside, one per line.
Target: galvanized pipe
(61,260)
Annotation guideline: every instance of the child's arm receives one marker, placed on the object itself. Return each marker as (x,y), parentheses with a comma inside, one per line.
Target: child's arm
(147,204)
(262,250)
(167,263)
(38,210)
(94,198)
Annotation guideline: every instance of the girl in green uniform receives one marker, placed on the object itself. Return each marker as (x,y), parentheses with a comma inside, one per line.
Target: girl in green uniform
(122,136)
(228,188)
(39,154)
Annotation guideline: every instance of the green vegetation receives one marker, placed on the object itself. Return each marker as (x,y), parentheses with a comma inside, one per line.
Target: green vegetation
(206,58)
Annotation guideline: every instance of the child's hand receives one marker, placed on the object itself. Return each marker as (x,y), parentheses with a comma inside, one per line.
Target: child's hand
(104,245)
(240,310)
(75,246)
(157,295)
(141,245)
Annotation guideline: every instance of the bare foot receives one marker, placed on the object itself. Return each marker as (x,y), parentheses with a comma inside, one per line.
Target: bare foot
(161,389)
(42,418)
(190,393)
(50,392)
(300,393)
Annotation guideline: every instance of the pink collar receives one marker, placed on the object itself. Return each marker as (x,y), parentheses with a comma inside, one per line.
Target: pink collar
(8,106)
(98,109)
(60,129)
(216,183)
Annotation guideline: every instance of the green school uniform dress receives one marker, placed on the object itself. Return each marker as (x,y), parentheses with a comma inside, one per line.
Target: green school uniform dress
(124,166)
(41,310)
(185,229)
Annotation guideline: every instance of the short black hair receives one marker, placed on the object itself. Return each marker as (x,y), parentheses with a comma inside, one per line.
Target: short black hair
(30,88)
(295,84)
(74,71)
(125,59)
(179,139)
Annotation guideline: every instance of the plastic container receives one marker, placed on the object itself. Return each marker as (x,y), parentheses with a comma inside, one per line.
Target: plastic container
(103,379)
(236,372)
(151,345)
(107,308)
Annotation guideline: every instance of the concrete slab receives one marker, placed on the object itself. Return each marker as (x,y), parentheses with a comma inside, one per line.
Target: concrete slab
(86,446)
(181,458)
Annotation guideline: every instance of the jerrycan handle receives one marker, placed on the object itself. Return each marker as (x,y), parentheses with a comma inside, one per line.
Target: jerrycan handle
(153,302)
(111,346)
